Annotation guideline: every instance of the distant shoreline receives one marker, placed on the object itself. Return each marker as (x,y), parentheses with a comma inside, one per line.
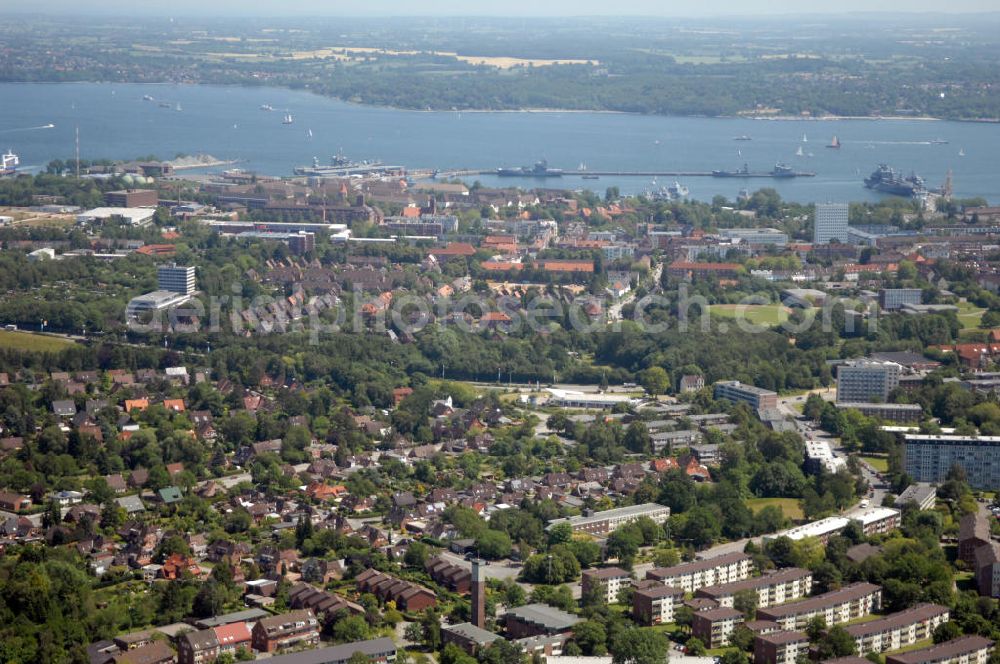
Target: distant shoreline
(543,110)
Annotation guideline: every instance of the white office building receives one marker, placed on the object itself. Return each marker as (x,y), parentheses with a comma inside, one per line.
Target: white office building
(176,278)
(830,223)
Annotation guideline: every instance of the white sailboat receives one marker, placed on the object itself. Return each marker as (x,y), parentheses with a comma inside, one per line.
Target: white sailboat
(310,133)
(799,153)
(288,119)
(961,152)
(805,139)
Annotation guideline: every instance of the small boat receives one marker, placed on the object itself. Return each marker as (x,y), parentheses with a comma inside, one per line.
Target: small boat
(148,98)
(744,137)
(834,144)
(288,119)
(164,104)
(9,163)
(178,107)
(939,141)
(266,107)
(677,190)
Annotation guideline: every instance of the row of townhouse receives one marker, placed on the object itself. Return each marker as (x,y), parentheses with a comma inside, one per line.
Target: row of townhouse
(772,588)
(900,629)
(836,607)
(701,573)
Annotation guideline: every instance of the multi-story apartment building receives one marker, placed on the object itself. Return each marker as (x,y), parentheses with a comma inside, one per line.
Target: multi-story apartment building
(831,223)
(963,650)
(602,523)
(701,573)
(294,629)
(861,381)
(836,607)
(777,587)
(538,620)
(378,651)
(655,604)
(973,532)
(608,581)
(898,630)
(714,627)
(822,529)
(894,412)
(922,494)
(735,391)
(928,458)
(197,647)
(987,567)
(784,647)
(876,520)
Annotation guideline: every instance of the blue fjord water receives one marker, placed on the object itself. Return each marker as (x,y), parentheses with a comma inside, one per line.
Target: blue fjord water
(116,122)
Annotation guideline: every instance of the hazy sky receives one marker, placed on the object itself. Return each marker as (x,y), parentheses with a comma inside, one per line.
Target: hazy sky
(494,7)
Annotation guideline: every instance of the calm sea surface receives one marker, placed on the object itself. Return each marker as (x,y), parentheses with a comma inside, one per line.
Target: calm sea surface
(115,122)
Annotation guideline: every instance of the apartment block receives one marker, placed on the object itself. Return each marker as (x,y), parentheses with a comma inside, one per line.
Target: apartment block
(602,523)
(776,587)
(987,568)
(655,604)
(973,532)
(538,620)
(928,458)
(378,651)
(701,573)
(298,629)
(877,520)
(862,381)
(784,647)
(836,607)
(893,412)
(608,581)
(715,626)
(963,650)
(898,630)
(736,391)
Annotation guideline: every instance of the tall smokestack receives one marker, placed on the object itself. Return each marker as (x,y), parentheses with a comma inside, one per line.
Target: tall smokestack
(478,594)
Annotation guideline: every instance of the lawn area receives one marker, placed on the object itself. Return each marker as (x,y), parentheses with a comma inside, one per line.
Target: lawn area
(756,314)
(789,506)
(881,464)
(969,315)
(916,646)
(27,341)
